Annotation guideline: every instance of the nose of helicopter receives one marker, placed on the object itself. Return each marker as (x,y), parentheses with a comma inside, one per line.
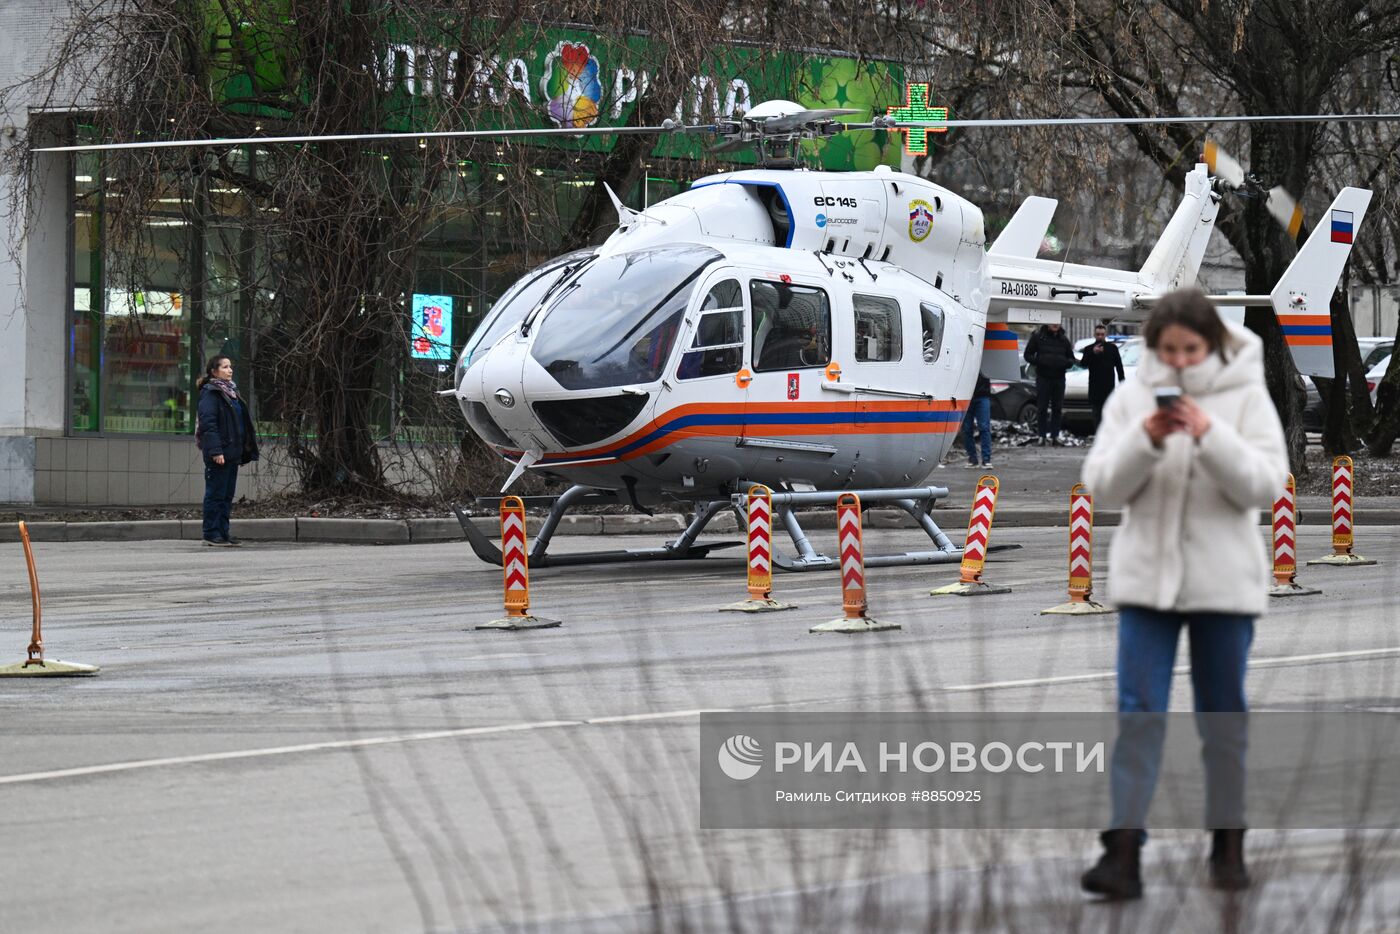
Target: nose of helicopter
(495,389)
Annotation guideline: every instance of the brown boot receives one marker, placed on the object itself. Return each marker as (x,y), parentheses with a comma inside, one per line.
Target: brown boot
(1227,870)
(1117,874)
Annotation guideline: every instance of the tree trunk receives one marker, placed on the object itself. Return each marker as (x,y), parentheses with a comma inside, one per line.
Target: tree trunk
(1386,426)
(1346,410)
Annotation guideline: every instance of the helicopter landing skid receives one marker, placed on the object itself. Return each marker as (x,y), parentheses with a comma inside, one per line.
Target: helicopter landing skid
(915,501)
(683,548)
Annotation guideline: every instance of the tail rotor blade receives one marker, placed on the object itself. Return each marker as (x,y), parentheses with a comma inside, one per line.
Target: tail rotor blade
(1285,210)
(1222,165)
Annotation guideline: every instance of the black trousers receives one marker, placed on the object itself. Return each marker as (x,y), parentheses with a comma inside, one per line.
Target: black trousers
(1050,402)
(1096,402)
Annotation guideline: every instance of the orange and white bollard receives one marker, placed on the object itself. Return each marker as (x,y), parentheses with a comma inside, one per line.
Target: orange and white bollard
(1081,557)
(515,563)
(760,568)
(1343,527)
(36,665)
(1286,545)
(979,533)
(851,547)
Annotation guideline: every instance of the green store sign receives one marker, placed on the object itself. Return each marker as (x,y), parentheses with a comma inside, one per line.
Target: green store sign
(570,78)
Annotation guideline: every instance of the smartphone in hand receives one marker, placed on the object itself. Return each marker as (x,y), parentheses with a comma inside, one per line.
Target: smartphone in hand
(1167,396)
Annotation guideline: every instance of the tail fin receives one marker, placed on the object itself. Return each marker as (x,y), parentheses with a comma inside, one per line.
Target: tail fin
(1302,299)
(1177,256)
(1025,232)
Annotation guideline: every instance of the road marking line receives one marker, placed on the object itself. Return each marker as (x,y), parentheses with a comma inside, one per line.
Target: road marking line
(137,764)
(280,751)
(672,715)
(1275,662)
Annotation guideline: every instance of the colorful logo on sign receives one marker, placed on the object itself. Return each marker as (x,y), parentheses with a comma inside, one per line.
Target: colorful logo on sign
(570,85)
(432,327)
(920,220)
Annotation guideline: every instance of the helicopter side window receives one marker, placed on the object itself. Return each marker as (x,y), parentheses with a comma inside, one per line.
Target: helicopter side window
(791,326)
(878,334)
(932,319)
(718,347)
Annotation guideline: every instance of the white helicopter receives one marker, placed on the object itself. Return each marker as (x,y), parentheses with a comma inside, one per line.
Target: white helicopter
(814,332)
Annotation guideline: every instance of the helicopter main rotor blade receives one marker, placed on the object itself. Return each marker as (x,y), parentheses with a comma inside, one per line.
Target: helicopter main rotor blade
(796,121)
(733,145)
(1152,121)
(667,127)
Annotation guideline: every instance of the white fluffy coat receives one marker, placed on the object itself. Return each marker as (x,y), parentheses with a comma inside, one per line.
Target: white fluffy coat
(1190,538)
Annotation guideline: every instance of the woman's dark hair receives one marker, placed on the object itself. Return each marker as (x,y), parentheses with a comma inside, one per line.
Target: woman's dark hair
(210,366)
(1190,309)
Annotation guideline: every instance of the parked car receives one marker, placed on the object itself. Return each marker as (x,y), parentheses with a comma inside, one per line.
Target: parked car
(1375,375)
(1078,414)
(1374,350)
(1014,400)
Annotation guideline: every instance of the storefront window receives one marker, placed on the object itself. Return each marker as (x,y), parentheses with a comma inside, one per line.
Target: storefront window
(84,338)
(147,323)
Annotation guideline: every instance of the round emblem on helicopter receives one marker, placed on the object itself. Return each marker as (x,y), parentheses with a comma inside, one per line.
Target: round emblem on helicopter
(504,397)
(920,220)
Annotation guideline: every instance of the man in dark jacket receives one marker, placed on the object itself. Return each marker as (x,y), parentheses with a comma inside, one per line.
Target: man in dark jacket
(1052,355)
(1102,360)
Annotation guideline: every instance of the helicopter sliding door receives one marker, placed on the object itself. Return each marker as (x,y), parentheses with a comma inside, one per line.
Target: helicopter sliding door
(951,353)
(789,424)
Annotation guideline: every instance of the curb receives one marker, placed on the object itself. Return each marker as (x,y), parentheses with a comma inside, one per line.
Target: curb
(425,531)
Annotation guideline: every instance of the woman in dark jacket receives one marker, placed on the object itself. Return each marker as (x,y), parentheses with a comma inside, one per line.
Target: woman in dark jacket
(224,432)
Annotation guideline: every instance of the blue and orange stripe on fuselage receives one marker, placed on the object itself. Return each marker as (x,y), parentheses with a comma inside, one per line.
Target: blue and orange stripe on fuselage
(902,417)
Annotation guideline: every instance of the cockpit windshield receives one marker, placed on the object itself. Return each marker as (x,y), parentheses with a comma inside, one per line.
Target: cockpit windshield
(518,302)
(615,323)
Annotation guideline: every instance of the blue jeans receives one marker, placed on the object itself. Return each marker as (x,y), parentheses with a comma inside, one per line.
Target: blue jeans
(220,481)
(1146,654)
(979,413)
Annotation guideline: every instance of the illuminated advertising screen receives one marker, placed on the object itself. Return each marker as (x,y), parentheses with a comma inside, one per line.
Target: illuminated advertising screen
(432,327)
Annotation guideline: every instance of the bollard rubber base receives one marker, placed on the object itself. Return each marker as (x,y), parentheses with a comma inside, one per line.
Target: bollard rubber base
(1343,560)
(859,624)
(757,606)
(52,668)
(1292,590)
(1077,608)
(963,589)
(520,622)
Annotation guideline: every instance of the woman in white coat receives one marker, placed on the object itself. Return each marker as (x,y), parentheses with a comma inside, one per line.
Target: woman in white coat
(1191,448)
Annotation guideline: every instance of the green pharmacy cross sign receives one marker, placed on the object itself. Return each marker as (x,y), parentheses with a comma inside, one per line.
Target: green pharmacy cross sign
(916,108)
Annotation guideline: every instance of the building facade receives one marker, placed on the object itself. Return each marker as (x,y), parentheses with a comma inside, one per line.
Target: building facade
(100,348)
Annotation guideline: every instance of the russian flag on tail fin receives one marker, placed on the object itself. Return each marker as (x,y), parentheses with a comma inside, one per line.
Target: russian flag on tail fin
(1341,226)
(1303,297)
